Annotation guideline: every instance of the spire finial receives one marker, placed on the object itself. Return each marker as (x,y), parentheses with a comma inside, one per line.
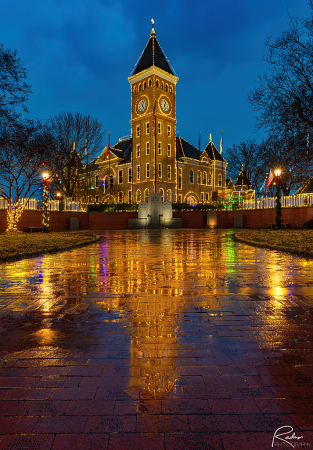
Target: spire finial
(152,31)
(210,137)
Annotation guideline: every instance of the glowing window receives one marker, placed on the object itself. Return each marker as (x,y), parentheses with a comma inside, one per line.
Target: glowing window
(191,176)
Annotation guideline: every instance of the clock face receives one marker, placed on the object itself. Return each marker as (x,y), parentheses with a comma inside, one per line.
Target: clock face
(142,105)
(164,105)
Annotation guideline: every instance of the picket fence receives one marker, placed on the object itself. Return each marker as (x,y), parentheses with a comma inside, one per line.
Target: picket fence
(286,202)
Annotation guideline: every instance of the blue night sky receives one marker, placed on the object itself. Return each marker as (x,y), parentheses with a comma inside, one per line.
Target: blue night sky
(79,54)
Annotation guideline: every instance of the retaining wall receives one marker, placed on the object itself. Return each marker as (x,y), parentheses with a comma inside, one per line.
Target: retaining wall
(60,221)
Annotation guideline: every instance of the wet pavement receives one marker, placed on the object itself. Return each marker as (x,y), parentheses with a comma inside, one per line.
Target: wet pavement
(157,339)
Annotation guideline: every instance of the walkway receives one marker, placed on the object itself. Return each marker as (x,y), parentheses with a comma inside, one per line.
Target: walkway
(159,339)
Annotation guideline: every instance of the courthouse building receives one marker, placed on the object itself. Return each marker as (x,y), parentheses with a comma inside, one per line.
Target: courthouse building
(153,158)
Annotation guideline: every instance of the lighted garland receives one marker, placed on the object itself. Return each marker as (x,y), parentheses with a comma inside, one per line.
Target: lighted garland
(228,201)
(45,214)
(14,214)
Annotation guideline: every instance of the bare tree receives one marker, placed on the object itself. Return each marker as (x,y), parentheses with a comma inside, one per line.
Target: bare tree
(283,98)
(80,139)
(246,154)
(14,89)
(25,150)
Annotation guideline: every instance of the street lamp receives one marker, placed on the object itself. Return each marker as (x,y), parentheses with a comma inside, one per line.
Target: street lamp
(277,173)
(45,213)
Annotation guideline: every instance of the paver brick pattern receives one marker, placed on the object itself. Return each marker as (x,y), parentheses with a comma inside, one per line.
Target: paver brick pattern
(157,339)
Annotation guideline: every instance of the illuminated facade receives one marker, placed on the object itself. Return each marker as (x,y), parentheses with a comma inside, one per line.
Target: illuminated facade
(153,158)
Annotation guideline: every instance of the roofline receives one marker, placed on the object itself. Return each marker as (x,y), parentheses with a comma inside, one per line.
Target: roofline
(153,70)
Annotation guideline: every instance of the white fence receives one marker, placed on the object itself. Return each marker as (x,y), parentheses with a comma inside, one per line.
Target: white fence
(32,204)
(72,206)
(286,202)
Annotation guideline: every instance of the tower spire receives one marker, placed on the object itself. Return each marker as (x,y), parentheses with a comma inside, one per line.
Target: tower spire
(152,31)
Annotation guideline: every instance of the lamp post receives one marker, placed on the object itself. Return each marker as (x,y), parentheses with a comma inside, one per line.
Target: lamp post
(278,203)
(45,213)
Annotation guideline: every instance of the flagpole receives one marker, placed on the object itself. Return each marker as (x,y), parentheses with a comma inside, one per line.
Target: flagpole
(86,154)
(177,174)
(109,167)
(221,151)
(199,166)
(132,170)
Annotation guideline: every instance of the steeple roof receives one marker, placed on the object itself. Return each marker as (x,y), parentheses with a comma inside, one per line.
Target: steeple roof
(153,56)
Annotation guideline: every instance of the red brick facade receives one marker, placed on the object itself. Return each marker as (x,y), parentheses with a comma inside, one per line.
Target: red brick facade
(60,221)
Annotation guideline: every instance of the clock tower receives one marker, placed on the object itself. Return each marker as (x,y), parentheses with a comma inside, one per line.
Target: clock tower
(153,124)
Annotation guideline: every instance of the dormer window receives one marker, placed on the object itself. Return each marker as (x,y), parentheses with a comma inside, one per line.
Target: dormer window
(204,160)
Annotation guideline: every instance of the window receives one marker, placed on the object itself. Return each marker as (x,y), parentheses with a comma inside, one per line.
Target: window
(159,128)
(191,176)
(160,170)
(202,197)
(166,87)
(147,128)
(169,172)
(162,194)
(157,83)
(169,195)
(147,148)
(147,170)
(135,90)
(204,178)
(137,131)
(138,172)
(180,199)
(168,149)
(138,196)
(150,83)
(199,177)
(129,175)
(140,87)
(161,84)
(179,178)
(97,180)
(138,150)
(219,180)
(209,179)
(120,176)
(171,90)
(129,196)
(160,148)
(204,160)
(146,195)
(120,197)
(169,130)
(145,85)
(97,198)
(206,197)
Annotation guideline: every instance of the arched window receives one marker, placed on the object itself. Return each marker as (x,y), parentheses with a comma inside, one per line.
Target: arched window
(169,195)
(120,197)
(140,87)
(171,90)
(161,84)
(150,83)
(138,196)
(199,177)
(135,89)
(166,87)
(146,195)
(191,176)
(204,178)
(145,85)
(219,180)
(157,83)
(162,194)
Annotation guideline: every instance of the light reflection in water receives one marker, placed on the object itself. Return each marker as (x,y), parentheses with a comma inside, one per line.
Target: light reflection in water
(147,278)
